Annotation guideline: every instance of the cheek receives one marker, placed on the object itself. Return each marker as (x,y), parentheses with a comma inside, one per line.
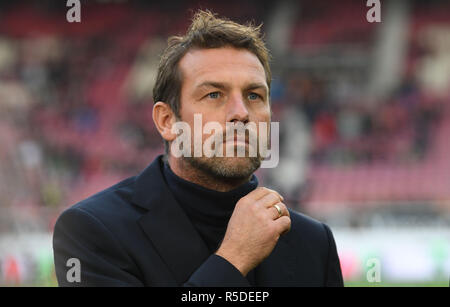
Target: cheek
(197,124)
(262,115)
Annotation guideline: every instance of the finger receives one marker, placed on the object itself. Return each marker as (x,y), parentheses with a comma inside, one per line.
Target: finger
(258,193)
(284,209)
(283,224)
(275,213)
(273,191)
(269,200)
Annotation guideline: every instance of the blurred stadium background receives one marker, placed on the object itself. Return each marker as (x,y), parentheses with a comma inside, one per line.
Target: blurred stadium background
(364,112)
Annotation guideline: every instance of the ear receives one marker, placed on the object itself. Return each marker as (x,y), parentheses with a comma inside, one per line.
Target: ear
(164,118)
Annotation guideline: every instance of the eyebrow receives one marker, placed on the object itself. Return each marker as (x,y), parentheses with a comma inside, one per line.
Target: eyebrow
(224,86)
(219,85)
(255,86)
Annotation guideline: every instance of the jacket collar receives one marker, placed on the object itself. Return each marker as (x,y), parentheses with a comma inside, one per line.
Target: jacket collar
(166,224)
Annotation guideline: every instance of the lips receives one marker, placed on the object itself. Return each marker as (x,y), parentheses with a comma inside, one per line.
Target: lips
(236,140)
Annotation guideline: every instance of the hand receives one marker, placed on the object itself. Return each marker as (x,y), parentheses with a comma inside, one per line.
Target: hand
(254,229)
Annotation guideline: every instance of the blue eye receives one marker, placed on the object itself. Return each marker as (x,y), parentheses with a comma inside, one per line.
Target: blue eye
(253,96)
(214,95)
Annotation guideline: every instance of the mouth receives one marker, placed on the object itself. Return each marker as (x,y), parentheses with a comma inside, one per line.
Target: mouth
(238,142)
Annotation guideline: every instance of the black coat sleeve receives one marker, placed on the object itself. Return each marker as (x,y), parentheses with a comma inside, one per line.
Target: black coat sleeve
(217,272)
(103,262)
(333,269)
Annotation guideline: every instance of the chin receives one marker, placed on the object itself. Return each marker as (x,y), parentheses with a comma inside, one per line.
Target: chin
(236,162)
(227,167)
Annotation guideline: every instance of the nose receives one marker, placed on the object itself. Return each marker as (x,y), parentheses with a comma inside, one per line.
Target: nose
(237,110)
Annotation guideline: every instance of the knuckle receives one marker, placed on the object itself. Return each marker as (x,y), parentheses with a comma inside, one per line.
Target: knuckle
(288,222)
(276,193)
(277,196)
(285,210)
(271,199)
(263,189)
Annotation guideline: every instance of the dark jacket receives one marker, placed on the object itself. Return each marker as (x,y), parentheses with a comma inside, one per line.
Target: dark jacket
(135,234)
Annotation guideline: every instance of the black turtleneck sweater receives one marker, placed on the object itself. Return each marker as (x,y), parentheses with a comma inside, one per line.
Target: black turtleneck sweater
(208,210)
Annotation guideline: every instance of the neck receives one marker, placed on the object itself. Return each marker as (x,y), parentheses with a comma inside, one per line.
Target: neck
(186,171)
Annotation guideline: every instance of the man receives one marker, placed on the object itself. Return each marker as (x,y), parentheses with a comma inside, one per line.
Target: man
(197,220)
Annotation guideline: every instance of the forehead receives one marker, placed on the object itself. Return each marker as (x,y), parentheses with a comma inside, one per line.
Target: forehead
(221,64)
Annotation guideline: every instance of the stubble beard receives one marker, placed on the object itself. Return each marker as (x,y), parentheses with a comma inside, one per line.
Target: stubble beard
(228,168)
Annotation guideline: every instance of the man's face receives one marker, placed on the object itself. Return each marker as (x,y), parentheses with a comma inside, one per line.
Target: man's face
(225,85)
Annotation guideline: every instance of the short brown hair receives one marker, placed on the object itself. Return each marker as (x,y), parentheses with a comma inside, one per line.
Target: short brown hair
(206,31)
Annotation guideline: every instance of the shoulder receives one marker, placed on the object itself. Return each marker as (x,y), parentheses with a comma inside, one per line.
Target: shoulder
(300,221)
(106,207)
(309,230)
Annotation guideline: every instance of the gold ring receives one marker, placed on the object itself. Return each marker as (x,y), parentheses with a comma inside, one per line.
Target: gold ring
(280,213)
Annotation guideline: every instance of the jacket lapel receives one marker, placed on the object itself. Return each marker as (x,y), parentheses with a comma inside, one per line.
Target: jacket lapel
(166,225)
